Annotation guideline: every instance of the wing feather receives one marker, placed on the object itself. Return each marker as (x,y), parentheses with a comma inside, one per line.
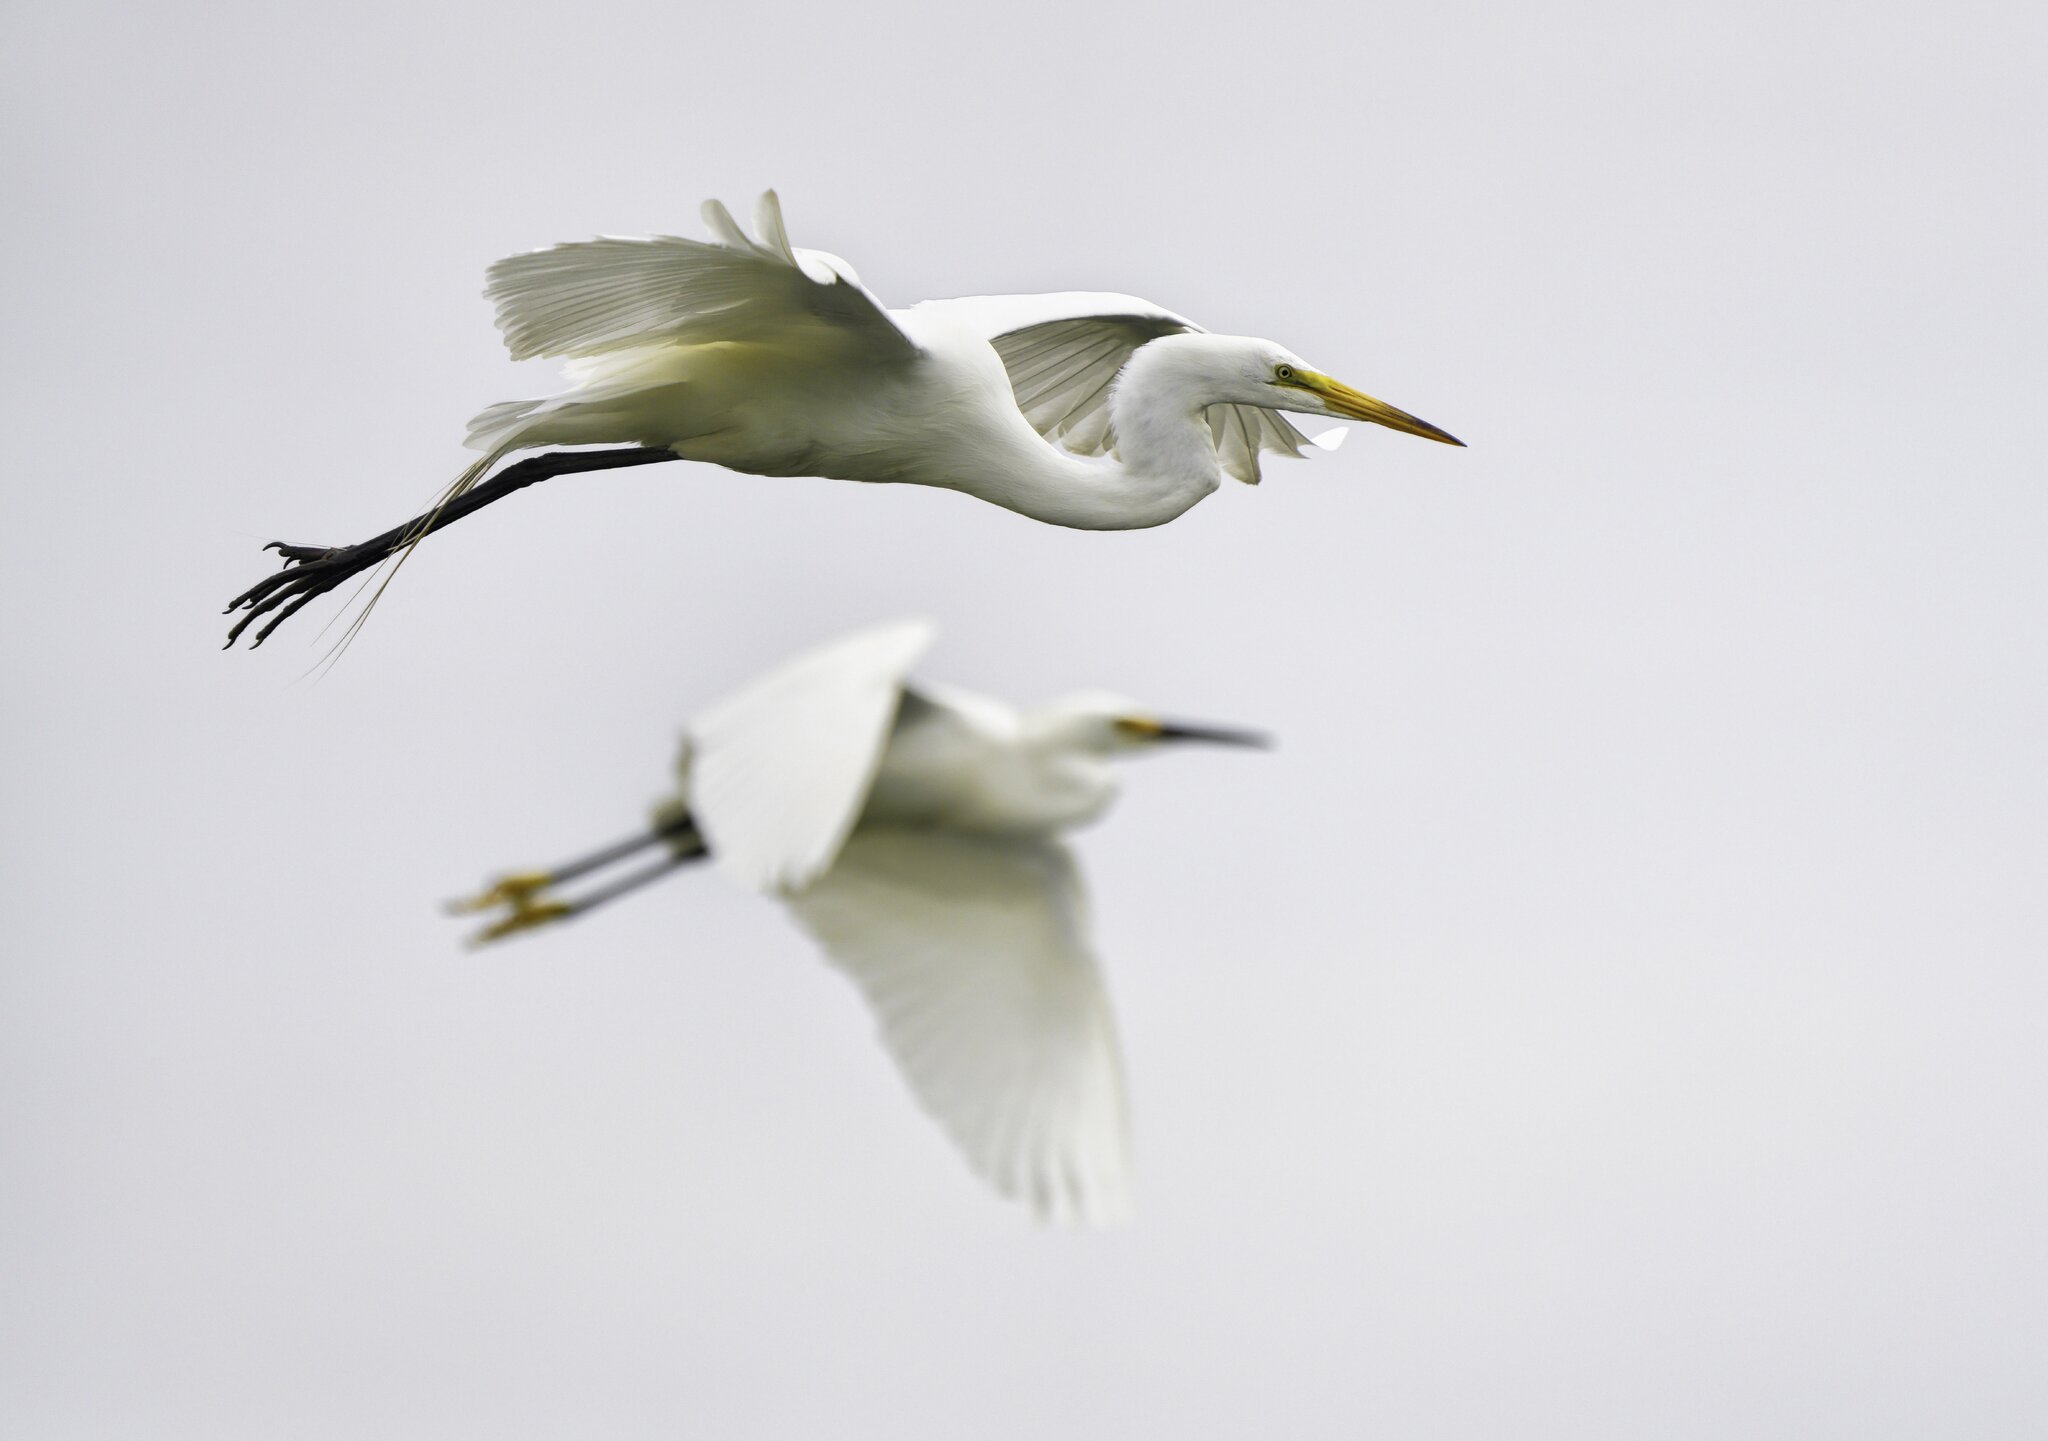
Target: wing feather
(1243,431)
(1063,353)
(718,220)
(606,294)
(777,774)
(973,953)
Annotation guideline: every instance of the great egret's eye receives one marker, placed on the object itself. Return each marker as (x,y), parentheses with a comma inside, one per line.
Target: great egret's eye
(1284,372)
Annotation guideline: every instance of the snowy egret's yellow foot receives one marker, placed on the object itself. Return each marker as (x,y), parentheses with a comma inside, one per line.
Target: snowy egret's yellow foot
(525,895)
(525,916)
(517,891)
(526,905)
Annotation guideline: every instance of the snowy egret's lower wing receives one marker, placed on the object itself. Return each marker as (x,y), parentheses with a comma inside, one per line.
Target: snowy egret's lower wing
(777,774)
(975,956)
(1064,351)
(598,295)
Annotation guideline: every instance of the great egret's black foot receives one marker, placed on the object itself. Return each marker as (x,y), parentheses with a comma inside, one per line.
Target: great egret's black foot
(314,570)
(309,571)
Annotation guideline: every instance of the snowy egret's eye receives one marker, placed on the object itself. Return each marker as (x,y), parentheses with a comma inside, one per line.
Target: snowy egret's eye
(1283,374)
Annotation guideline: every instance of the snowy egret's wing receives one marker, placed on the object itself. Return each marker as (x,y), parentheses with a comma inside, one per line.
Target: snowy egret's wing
(974,954)
(777,774)
(1064,351)
(606,294)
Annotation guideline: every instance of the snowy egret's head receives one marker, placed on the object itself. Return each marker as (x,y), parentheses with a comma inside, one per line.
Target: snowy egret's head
(1102,724)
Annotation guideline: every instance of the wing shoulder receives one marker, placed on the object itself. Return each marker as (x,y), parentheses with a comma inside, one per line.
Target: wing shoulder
(777,773)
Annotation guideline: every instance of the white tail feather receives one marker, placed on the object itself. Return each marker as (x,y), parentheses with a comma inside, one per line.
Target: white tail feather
(494,425)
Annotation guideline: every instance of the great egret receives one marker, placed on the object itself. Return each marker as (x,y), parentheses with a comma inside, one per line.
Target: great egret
(1092,410)
(913,831)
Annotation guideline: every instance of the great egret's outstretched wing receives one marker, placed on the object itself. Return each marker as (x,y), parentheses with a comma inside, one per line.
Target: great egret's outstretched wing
(974,954)
(1064,351)
(777,774)
(605,294)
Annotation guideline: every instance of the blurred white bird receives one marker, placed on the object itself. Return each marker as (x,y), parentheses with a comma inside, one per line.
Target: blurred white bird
(912,830)
(1085,409)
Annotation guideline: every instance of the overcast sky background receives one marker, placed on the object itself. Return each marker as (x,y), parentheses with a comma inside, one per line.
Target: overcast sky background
(1614,1011)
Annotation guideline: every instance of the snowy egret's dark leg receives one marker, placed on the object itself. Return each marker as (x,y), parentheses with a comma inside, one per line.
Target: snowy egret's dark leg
(524,894)
(314,570)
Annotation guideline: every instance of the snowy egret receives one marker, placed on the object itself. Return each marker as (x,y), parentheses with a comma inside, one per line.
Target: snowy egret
(913,831)
(1084,409)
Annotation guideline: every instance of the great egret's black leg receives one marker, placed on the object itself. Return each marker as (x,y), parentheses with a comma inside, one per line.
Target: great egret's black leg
(313,570)
(524,894)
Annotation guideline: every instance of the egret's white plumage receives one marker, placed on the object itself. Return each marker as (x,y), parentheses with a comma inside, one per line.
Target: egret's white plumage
(777,774)
(974,954)
(913,831)
(762,357)
(1086,409)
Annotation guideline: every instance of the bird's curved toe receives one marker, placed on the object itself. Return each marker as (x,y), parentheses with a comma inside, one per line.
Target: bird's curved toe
(522,918)
(518,890)
(309,571)
(526,906)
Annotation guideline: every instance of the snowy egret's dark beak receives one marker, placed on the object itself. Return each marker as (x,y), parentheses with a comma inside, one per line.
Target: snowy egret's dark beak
(1151,728)
(1212,734)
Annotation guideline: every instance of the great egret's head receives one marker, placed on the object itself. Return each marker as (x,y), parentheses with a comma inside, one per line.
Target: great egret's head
(1248,371)
(1101,724)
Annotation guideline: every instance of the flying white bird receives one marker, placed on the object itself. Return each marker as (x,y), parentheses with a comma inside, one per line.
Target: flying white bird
(913,831)
(1086,409)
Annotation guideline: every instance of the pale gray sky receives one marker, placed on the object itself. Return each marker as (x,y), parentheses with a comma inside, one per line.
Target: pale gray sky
(1613,1012)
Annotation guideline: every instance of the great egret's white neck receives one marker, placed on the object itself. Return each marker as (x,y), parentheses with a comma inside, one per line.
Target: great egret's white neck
(1165,457)
(1158,409)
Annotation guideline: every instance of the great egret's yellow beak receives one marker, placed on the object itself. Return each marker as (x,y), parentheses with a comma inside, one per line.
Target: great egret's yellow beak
(1357,405)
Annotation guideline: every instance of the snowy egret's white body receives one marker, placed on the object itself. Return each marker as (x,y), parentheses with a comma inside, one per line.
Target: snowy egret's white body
(913,831)
(1086,409)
